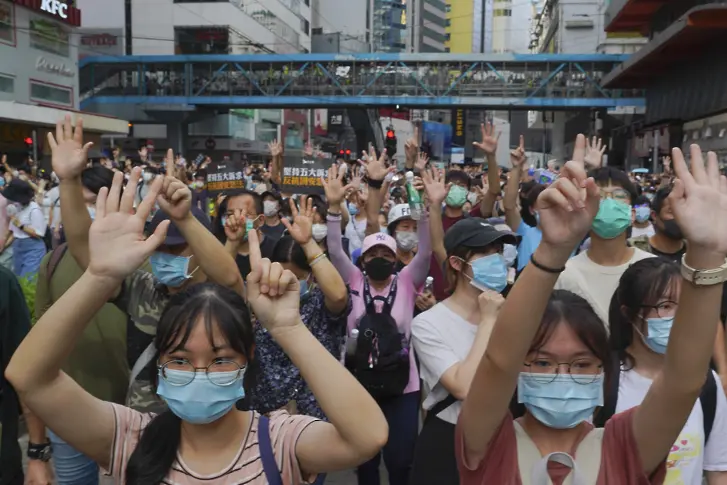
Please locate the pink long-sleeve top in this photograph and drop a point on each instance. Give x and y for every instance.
(411, 278)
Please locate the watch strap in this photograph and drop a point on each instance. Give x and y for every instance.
(40, 452)
(704, 277)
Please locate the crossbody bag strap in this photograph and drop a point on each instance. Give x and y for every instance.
(270, 466)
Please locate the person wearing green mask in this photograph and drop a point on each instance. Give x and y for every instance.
(594, 274)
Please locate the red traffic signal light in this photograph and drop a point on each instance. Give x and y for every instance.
(348, 152)
(28, 141)
(340, 152)
(390, 134)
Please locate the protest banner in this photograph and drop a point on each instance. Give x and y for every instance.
(303, 175)
(225, 176)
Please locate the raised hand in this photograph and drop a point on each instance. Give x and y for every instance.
(302, 228)
(276, 148)
(490, 303)
(567, 207)
(273, 293)
(117, 246)
(175, 198)
(435, 186)
(579, 151)
(667, 164)
(334, 188)
(422, 160)
(489, 139)
(69, 154)
(411, 147)
(699, 202)
(517, 156)
(376, 168)
(594, 153)
(308, 149)
(235, 226)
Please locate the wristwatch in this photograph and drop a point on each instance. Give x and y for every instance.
(41, 452)
(704, 277)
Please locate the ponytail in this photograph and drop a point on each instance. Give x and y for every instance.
(156, 451)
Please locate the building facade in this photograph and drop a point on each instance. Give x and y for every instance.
(429, 29)
(510, 26)
(465, 31)
(39, 74)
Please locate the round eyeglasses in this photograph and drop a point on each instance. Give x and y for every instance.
(220, 372)
(616, 194)
(664, 309)
(582, 371)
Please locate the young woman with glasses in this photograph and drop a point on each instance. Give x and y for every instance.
(205, 355)
(552, 350)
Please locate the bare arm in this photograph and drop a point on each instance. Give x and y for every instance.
(419, 266)
(329, 280)
(716, 478)
(489, 146)
(512, 214)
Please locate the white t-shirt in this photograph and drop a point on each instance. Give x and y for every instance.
(441, 339)
(32, 216)
(594, 282)
(647, 231)
(688, 457)
(51, 202)
(355, 232)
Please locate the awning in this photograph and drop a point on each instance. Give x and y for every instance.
(684, 39)
(44, 116)
(631, 15)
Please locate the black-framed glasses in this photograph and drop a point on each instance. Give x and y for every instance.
(582, 371)
(664, 309)
(221, 372)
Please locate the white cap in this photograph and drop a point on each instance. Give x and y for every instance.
(398, 212)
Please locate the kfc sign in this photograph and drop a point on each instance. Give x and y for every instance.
(54, 7)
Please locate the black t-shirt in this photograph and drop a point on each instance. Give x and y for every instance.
(675, 257)
(266, 250)
(273, 232)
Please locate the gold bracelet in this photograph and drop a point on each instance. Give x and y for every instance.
(317, 259)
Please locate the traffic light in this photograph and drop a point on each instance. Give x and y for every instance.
(28, 145)
(390, 143)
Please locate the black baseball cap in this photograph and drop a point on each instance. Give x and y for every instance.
(475, 232)
(174, 237)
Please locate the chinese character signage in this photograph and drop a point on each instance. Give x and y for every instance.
(225, 176)
(303, 175)
(459, 123)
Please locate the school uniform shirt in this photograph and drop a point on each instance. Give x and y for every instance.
(594, 282)
(245, 469)
(441, 339)
(620, 459)
(689, 456)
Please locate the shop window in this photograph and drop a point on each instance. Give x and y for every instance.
(7, 83)
(51, 94)
(49, 36)
(7, 23)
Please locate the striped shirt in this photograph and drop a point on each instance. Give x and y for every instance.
(247, 466)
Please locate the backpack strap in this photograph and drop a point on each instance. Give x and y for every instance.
(270, 466)
(609, 400)
(55, 258)
(440, 406)
(708, 401)
(388, 301)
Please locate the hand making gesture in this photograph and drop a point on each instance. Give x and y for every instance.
(435, 186)
(276, 148)
(117, 246)
(69, 154)
(594, 153)
(175, 198)
(272, 292)
(489, 139)
(517, 156)
(236, 226)
(302, 228)
(333, 187)
(411, 147)
(376, 168)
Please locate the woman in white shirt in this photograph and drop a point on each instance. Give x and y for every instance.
(641, 315)
(28, 226)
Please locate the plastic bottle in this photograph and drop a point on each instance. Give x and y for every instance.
(428, 285)
(415, 200)
(351, 342)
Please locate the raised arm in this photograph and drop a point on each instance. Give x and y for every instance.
(699, 202)
(276, 151)
(489, 146)
(117, 248)
(418, 268)
(517, 159)
(376, 172)
(335, 191)
(357, 429)
(436, 190)
(566, 213)
(69, 158)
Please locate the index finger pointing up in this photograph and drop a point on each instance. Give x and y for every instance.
(254, 247)
(170, 163)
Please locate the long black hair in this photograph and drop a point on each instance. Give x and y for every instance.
(643, 284)
(287, 250)
(574, 311)
(156, 451)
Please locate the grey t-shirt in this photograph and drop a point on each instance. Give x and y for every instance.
(441, 339)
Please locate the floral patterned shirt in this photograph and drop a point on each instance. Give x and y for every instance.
(279, 381)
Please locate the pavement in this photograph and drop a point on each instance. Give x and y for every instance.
(339, 478)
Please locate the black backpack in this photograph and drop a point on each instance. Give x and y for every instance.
(381, 360)
(707, 399)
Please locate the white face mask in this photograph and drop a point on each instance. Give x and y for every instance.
(407, 240)
(320, 231)
(270, 208)
(147, 176)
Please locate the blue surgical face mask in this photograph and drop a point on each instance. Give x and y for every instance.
(223, 220)
(659, 330)
(562, 403)
(249, 227)
(169, 269)
(201, 401)
(2, 181)
(352, 209)
(489, 273)
(642, 213)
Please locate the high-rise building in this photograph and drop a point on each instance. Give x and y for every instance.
(510, 26)
(429, 25)
(465, 31)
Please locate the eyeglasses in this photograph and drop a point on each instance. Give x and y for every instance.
(616, 194)
(582, 371)
(664, 309)
(220, 372)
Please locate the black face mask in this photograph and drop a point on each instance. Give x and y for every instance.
(379, 269)
(672, 230)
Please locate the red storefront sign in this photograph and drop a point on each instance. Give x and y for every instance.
(63, 11)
